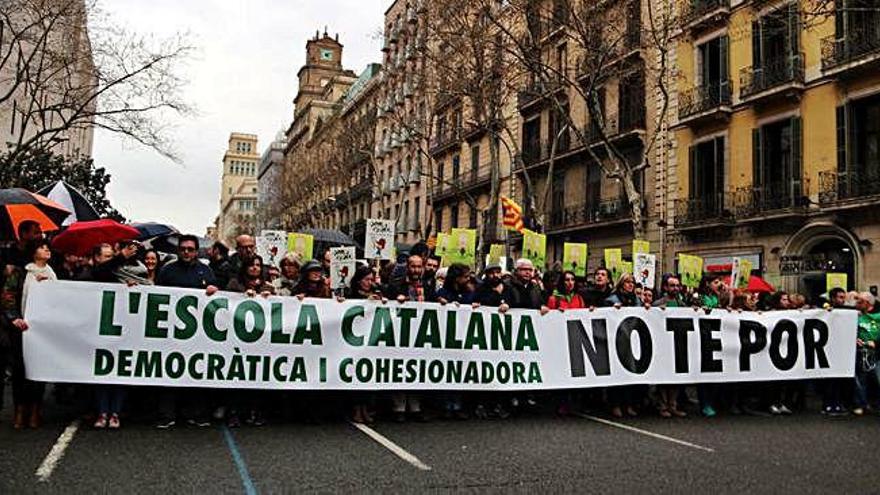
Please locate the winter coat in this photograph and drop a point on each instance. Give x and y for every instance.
(561, 300)
(517, 295)
(34, 273)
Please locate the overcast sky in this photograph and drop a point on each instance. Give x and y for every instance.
(243, 79)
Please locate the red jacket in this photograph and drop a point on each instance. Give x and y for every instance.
(559, 301)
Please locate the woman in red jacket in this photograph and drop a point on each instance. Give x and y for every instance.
(565, 296)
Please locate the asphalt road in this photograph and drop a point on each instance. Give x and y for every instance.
(805, 453)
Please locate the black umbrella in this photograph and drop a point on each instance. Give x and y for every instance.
(330, 237)
(70, 198)
(151, 230)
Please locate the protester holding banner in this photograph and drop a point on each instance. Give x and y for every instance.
(409, 288)
(626, 398)
(189, 273)
(362, 287)
(249, 279)
(285, 284)
(867, 337)
(594, 295)
(565, 295)
(27, 395)
(312, 282)
(523, 290)
(667, 395)
(455, 289)
(218, 261)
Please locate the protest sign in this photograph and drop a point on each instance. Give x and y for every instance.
(301, 245)
(535, 248)
(741, 272)
(462, 247)
(342, 265)
(835, 280)
(496, 255)
(641, 247)
(645, 269)
(272, 246)
(156, 336)
(574, 258)
(691, 269)
(379, 241)
(613, 262)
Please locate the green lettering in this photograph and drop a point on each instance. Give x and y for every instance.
(148, 364)
(534, 373)
(209, 320)
(344, 375)
(108, 307)
(382, 330)
(239, 321)
(308, 327)
(124, 368)
(103, 362)
(502, 333)
(406, 316)
(476, 333)
(192, 366)
(429, 330)
(278, 335)
(347, 324)
(156, 315)
(451, 326)
(185, 316)
(526, 335)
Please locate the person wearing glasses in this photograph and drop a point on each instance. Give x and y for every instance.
(189, 273)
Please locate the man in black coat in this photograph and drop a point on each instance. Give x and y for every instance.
(594, 295)
(523, 291)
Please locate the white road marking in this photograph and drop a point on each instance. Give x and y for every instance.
(48, 466)
(646, 432)
(393, 447)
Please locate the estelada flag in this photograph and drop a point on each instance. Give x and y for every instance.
(512, 214)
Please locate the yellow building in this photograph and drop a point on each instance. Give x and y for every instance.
(238, 193)
(776, 149)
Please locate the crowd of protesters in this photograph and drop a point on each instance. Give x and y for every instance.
(417, 276)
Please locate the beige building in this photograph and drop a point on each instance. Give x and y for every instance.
(238, 193)
(65, 73)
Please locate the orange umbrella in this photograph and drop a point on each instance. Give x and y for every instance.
(19, 205)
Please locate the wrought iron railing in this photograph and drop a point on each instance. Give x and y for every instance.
(709, 208)
(590, 212)
(851, 46)
(704, 98)
(537, 90)
(692, 10)
(856, 183)
(751, 201)
(771, 74)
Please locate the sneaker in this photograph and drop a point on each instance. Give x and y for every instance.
(783, 409)
(198, 422)
(858, 411)
(839, 411)
(775, 409)
(114, 424)
(827, 411)
(258, 420)
(166, 424)
(709, 412)
(101, 422)
(480, 412)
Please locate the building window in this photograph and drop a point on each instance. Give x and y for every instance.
(776, 163)
(532, 140)
(456, 166)
(453, 216)
(707, 176)
(712, 59)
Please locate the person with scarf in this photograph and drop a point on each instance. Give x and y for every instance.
(626, 398)
(27, 395)
(565, 296)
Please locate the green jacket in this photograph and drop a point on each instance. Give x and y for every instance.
(710, 301)
(869, 327)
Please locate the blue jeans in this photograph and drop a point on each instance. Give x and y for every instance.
(862, 382)
(110, 399)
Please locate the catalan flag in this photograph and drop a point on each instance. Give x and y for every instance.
(512, 213)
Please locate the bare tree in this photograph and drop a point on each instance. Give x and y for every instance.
(608, 41)
(64, 67)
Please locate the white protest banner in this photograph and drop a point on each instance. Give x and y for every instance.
(145, 335)
(379, 241)
(272, 246)
(342, 265)
(645, 269)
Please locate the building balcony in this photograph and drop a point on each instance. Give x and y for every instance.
(472, 180)
(772, 201)
(775, 78)
(697, 15)
(445, 141)
(702, 104)
(626, 127)
(536, 92)
(702, 213)
(589, 214)
(856, 50)
(852, 188)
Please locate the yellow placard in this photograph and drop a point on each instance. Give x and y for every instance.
(574, 258)
(643, 247)
(835, 280)
(534, 248)
(691, 269)
(301, 244)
